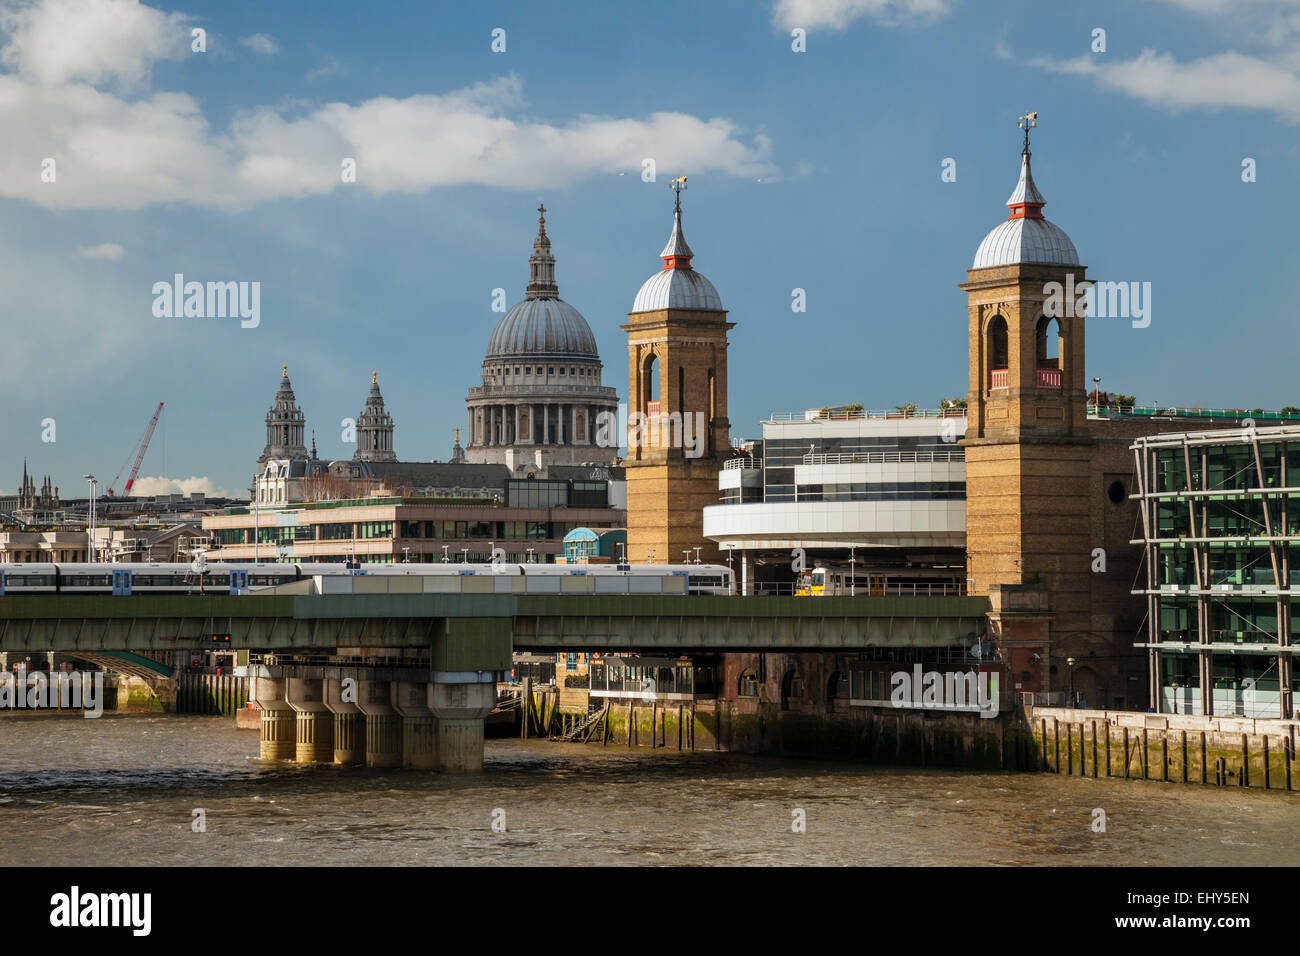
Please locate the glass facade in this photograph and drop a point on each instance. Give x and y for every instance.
(781, 455)
(1222, 539)
(882, 491)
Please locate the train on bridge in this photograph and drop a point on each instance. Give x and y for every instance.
(236, 578)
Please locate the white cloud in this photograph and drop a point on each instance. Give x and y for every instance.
(261, 43)
(1222, 80)
(1268, 80)
(839, 14)
(116, 152)
(111, 251)
(61, 41)
(159, 485)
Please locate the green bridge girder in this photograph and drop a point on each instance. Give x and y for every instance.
(479, 631)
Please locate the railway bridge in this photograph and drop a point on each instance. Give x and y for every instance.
(407, 678)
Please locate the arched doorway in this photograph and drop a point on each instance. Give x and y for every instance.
(792, 691)
(837, 692)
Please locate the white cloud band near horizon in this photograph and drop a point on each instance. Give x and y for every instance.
(159, 485)
(71, 97)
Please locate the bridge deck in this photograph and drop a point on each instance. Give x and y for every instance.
(465, 630)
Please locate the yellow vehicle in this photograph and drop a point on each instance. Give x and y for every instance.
(839, 582)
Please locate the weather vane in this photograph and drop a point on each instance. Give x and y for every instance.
(1028, 122)
(677, 185)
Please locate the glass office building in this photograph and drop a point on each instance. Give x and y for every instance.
(1220, 525)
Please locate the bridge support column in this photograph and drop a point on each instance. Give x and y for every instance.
(349, 722)
(460, 700)
(383, 724)
(315, 725)
(279, 737)
(419, 726)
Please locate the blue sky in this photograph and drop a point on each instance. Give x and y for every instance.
(817, 170)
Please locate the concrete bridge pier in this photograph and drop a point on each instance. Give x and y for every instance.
(279, 736)
(460, 700)
(349, 723)
(419, 726)
(383, 723)
(314, 739)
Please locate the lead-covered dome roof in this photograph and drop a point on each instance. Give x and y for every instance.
(1026, 237)
(542, 324)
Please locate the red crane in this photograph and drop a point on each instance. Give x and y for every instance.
(143, 446)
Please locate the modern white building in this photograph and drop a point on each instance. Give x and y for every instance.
(882, 490)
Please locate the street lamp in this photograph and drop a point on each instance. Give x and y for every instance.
(446, 558)
(1096, 395)
(530, 555)
(698, 549)
(1069, 663)
(90, 520)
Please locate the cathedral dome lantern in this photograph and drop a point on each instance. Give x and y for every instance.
(374, 427)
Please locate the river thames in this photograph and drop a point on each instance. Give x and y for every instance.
(124, 790)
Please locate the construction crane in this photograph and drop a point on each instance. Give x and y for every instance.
(143, 446)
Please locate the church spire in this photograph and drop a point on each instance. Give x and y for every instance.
(1026, 202)
(541, 264)
(677, 254)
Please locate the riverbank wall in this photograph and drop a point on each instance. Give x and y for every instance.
(886, 735)
(1122, 745)
(1171, 748)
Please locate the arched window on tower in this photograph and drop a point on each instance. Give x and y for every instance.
(650, 385)
(1047, 350)
(996, 347)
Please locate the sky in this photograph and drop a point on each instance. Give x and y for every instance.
(818, 169)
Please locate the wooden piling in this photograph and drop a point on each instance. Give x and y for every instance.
(1094, 749)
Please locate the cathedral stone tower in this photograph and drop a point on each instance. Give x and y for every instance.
(374, 428)
(284, 425)
(1027, 445)
(678, 432)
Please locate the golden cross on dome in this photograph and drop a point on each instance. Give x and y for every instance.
(284, 369)
(374, 378)
(541, 219)
(1028, 122)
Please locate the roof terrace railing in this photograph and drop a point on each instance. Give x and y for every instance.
(842, 415)
(885, 457)
(1108, 410)
(742, 463)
